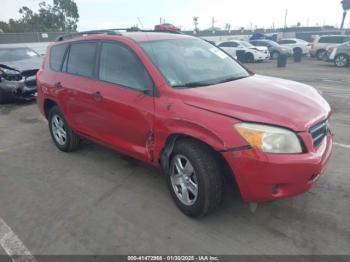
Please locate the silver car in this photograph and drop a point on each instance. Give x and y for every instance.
(341, 55)
(18, 67)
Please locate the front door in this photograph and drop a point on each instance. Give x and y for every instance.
(124, 105)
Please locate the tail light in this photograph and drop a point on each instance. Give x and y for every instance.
(329, 49)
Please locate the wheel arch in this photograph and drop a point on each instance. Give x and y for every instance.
(344, 54)
(164, 158)
(48, 104)
(297, 48)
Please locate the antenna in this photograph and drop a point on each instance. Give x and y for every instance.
(138, 18)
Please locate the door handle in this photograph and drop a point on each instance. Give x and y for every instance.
(97, 95)
(58, 85)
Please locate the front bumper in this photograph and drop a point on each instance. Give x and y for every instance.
(262, 57)
(263, 177)
(24, 89)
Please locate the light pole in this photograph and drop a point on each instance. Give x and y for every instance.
(346, 7)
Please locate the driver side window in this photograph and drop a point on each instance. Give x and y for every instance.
(120, 66)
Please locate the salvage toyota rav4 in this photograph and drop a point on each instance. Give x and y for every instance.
(183, 105)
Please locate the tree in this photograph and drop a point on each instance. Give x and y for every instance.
(63, 15)
(346, 7)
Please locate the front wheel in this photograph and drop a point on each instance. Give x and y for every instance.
(341, 60)
(194, 180)
(62, 135)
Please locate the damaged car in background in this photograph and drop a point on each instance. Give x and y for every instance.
(18, 67)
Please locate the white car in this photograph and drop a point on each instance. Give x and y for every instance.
(251, 53)
(321, 43)
(298, 45)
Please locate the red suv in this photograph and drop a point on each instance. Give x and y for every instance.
(183, 105)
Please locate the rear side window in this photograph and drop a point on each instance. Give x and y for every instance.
(119, 65)
(332, 39)
(56, 56)
(82, 59)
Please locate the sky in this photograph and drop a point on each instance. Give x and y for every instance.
(104, 14)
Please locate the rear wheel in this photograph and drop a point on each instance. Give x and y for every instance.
(297, 51)
(195, 180)
(63, 136)
(341, 60)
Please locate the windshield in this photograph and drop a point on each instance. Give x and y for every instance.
(192, 62)
(246, 44)
(16, 54)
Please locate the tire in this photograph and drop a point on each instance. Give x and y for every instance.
(203, 176)
(341, 60)
(319, 54)
(297, 50)
(249, 58)
(4, 99)
(275, 55)
(62, 135)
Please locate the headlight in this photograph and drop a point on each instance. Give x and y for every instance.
(10, 75)
(270, 139)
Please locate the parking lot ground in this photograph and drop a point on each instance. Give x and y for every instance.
(96, 201)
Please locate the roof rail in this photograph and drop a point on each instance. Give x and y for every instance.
(86, 33)
(113, 31)
(136, 29)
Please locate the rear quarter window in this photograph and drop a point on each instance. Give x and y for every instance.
(56, 56)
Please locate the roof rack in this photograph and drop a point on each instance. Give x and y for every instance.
(136, 29)
(86, 33)
(114, 31)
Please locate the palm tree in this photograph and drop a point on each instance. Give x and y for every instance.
(346, 7)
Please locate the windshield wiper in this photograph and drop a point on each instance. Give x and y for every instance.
(198, 84)
(194, 84)
(229, 79)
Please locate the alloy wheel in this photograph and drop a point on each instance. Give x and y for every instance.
(341, 61)
(59, 130)
(184, 180)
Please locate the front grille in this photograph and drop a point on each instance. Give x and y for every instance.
(319, 132)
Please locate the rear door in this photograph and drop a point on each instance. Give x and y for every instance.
(77, 85)
(229, 47)
(123, 101)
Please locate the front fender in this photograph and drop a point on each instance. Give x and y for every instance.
(197, 131)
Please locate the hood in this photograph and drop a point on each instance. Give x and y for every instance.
(261, 48)
(262, 99)
(25, 65)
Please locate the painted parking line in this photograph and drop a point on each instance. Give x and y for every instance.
(341, 145)
(13, 246)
